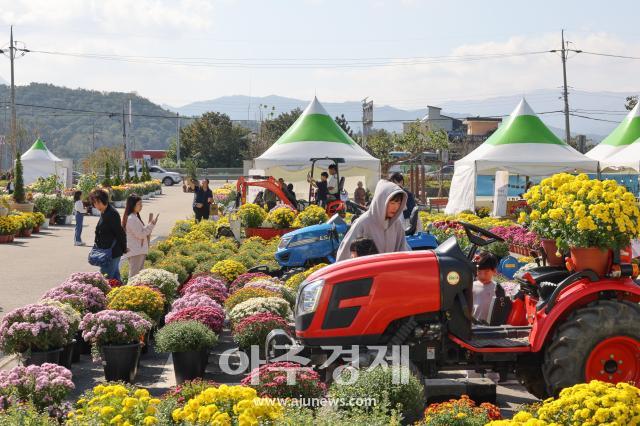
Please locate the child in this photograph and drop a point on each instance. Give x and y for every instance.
(484, 288)
(323, 191)
(381, 223)
(363, 247)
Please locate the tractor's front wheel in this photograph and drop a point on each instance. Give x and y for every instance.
(598, 342)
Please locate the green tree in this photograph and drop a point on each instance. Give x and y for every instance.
(127, 175)
(117, 180)
(381, 144)
(18, 192)
(106, 182)
(631, 102)
(344, 124)
(214, 140)
(135, 179)
(95, 162)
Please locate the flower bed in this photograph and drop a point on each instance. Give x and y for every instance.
(212, 317)
(83, 297)
(274, 381)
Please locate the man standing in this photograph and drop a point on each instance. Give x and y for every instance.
(398, 179)
(360, 195)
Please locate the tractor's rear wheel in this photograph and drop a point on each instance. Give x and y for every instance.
(598, 342)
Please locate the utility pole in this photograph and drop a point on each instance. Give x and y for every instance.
(367, 120)
(124, 135)
(178, 138)
(14, 124)
(563, 52)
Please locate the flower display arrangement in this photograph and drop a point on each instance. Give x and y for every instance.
(281, 218)
(137, 299)
(228, 405)
(251, 215)
(580, 212)
(113, 283)
(243, 279)
(185, 336)
(24, 414)
(274, 305)
(83, 297)
(95, 279)
(194, 300)
(73, 317)
(293, 283)
(253, 330)
(275, 286)
(111, 327)
(166, 281)
(517, 235)
(312, 215)
(460, 412)
(171, 265)
(115, 404)
(216, 289)
(186, 391)
(270, 380)
(594, 403)
(212, 317)
(245, 294)
(33, 328)
(45, 385)
(9, 225)
(229, 269)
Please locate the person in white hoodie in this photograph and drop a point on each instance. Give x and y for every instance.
(381, 223)
(138, 234)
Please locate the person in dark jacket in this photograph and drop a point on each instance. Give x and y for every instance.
(109, 233)
(202, 199)
(398, 179)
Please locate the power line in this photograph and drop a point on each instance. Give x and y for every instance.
(593, 118)
(610, 55)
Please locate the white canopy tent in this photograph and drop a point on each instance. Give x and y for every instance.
(38, 161)
(622, 137)
(316, 135)
(523, 145)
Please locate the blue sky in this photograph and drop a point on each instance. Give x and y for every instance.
(263, 31)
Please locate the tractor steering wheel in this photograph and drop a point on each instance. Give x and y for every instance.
(478, 237)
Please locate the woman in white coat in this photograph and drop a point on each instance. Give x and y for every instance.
(138, 234)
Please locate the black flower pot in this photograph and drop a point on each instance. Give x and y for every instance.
(77, 349)
(84, 347)
(120, 362)
(39, 358)
(66, 357)
(205, 359)
(146, 343)
(188, 365)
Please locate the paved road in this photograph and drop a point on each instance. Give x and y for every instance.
(31, 266)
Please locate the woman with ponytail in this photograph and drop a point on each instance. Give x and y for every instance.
(138, 234)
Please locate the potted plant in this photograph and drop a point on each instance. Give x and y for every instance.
(141, 299)
(39, 220)
(37, 332)
(212, 317)
(280, 221)
(187, 341)
(83, 297)
(73, 318)
(166, 281)
(312, 215)
(253, 330)
(115, 337)
(19, 196)
(252, 217)
(26, 222)
(8, 228)
(588, 217)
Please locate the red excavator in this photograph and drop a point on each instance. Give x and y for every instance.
(266, 182)
(576, 326)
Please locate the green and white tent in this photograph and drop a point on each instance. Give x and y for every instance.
(627, 158)
(314, 135)
(627, 132)
(523, 145)
(38, 161)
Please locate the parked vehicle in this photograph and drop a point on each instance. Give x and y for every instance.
(157, 172)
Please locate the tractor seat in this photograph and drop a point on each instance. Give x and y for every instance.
(553, 274)
(413, 222)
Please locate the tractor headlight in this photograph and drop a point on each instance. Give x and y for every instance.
(309, 240)
(309, 296)
(284, 242)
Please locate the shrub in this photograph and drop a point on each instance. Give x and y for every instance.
(33, 328)
(243, 279)
(18, 192)
(187, 262)
(185, 336)
(205, 267)
(461, 411)
(251, 215)
(154, 255)
(111, 327)
(229, 269)
(312, 215)
(272, 381)
(83, 297)
(227, 405)
(253, 330)
(282, 217)
(375, 382)
(174, 267)
(593, 403)
(124, 403)
(165, 281)
(95, 279)
(25, 414)
(137, 299)
(212, 317)
(274, 305)
(245, 294)
(43, 385)
(294, 281)
(191, 300)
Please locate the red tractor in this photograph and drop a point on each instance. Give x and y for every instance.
(334, 205)
(573, 326)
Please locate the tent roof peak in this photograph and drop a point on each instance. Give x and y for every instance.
(315, 107)
(523, 108)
